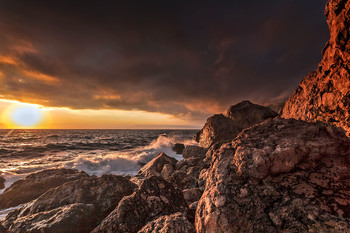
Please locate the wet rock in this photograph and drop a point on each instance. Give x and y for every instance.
(178, 148)
(192, 195)
(32, 186)
(324, 95)
(175, 223)
(167, 171)
(279, 176)
(182, 180)
(221, 129)
(154, 198)
(99, 196)
(2, 183)
(194, 151)
(155, 166)
(74, 218)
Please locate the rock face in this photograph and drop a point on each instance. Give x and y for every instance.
(2, 183)
(34, 185)
(155, 166)
(96, 198)
(154, 198)
(324, 95)
(279, 176)
(220, 128)
(175, 223)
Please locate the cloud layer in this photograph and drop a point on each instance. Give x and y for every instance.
(186, 58)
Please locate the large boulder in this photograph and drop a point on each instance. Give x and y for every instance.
(99, 196)
(32, 186)
(154, 198)
(324, 95)
(155, 166)
(175, 223)
(279, 176)
(221, 129)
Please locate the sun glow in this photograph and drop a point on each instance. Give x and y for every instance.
(24, 116)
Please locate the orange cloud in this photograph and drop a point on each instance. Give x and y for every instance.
(8, 60)
(40, 76)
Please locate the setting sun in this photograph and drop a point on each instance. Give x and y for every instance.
(20, 115)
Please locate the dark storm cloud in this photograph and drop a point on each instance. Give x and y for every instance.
(186, 58)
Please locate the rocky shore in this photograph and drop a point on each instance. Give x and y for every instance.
(253, 171)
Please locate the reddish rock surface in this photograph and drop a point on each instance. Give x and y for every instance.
(324, 95)
(220, 128)
(279, 176)
(34, 185)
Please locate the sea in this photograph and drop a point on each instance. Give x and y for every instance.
(97, 152)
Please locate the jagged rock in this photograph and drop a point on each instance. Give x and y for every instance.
(100, 195)
(32, 186)
(192, 195)
(178, 148)
(324, 95)
(155, 166)
(193, 151)
(221, 129)
(74, 218)
(167, 171)
(154, 198)
(175, 223)
(2, 183)
(279, 176)
(182, 181)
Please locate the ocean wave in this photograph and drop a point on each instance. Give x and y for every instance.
(95, 161)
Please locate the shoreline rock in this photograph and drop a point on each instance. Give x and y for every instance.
(94, 197)
(32, 186)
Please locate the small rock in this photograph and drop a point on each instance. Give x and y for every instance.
(192, 195)
(155, 166)
(178, 148)
(167, 171)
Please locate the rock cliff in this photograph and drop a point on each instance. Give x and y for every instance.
(324, 95)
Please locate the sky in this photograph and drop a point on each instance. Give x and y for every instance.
(152, 64)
